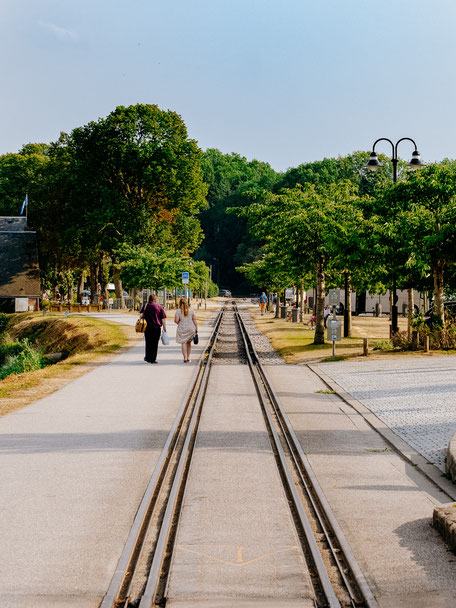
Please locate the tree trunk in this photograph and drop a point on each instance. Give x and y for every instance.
(93, 283)
(277, 305)
(118, 286)
(391, 304)
(320, 328)
(80, 287)
(425, 301)
(410, 311)
(104, 285)
(301, 303)
(347, 304)
(438, 290)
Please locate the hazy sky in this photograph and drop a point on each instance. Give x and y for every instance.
(284, 81)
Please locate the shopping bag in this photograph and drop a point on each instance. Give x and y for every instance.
(165, 338)
(140, 326)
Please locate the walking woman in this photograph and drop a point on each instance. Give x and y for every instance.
(155, 316)
(187, 327)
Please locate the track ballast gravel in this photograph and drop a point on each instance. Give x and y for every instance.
(262, 344)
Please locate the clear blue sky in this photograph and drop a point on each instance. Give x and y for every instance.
(284, 81)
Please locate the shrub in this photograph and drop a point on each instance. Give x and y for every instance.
(3, 322)
(382, 345)
(26, 360)
(9, 349)
(401, 340)
(444, 338)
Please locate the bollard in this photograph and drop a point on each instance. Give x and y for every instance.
(365, 347)
(426, 344)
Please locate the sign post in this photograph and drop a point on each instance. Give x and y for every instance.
(185, 280)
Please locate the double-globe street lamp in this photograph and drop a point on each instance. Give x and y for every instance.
(373, 164)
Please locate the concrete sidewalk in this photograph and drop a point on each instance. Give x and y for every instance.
(74, 467)
(383, 504)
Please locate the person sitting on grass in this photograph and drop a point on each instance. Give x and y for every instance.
(312, 321)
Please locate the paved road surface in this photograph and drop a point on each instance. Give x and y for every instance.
(74, 466)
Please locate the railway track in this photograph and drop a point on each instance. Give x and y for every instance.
(142, 574)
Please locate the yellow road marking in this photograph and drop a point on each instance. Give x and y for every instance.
(240, 561)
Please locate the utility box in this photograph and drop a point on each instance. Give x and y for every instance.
(334, 329)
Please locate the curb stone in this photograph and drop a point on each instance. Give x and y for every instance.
(412, 456)
(451, 459)
(444, 521)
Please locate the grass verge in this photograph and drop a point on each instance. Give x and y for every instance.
(294, 341)
(85, 341)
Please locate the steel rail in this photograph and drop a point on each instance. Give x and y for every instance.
(119, 588)
(320, 504)
(317, 559)
(156, 576)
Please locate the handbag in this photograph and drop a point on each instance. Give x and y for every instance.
(140, 326)
(165, 338)
(195, 339)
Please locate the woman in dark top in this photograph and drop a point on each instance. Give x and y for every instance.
(155, 316)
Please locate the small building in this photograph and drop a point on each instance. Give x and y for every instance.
(20, 289)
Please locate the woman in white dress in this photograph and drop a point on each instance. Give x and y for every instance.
(187, 327)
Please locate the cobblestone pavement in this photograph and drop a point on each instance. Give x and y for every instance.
(416, 398)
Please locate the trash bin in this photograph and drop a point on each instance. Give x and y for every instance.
(294, 315)
(378, 309)
(283, 312)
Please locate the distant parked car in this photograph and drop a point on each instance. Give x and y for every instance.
(225, 293)
(449, 308)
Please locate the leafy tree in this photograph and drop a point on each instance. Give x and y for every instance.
(20, 174)
(304, 227)
(133, 178)
(334, 170)
(418, 220)
(137, 179)
(160, 267)
(227, 241)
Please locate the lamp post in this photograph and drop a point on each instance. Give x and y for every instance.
(373, 164)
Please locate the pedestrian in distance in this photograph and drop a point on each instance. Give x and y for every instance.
(187, 328)
(326, 314)
(263, 301)
(312, 320)
(155, 316)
